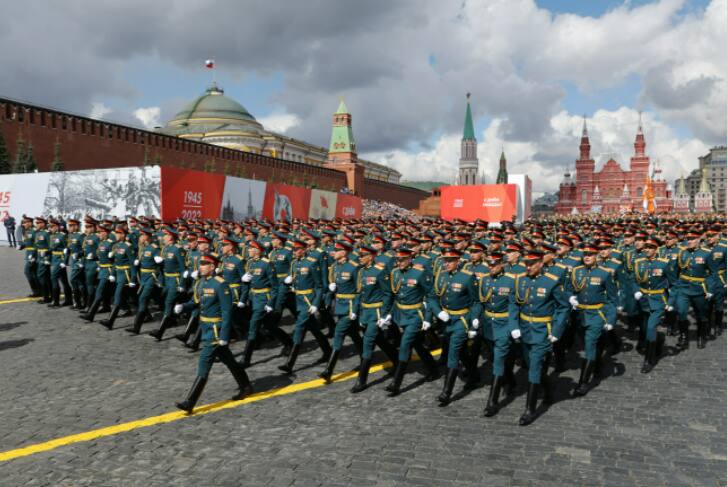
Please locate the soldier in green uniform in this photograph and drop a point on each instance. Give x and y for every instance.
(232, 268)
(374, 313)
(212, 296)
(123, 274)
(593, 296)
(411, 288)
(305, 279)
(260, 289)
(670, 250)
(90, 259)
(696, 283)
(536, 304)
(148, 271)
(103, 256)
(281, 257)
(654, 276)
(494, 294)
(343, 283)
(717, 266)
(172, 259)
(75, 262)
(41, 244)
(456, 303)
(27, 245)
(59, 262)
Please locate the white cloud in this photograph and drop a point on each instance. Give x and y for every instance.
(99, 110)
(279, 122)
(148, 116)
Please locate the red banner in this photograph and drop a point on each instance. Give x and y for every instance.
(191, 194)
(348, 206)
(489, 202)
(283, 202)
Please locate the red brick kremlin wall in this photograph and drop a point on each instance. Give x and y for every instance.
(91, 144)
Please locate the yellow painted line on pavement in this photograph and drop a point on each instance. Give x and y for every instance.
(18, 300)
(178, 415)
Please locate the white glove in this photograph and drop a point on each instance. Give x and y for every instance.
(552, 339)
(515, 334)
(46, 262)
(241, 304)
(476, 323)
(387, 319)
(268, 308)
(89, 257)
(352, 316)
(708, 296)
(63, 266)
(443, 316)
(180, 289)
(638, 295)
(218, 270)
(472, 333)
(80, 266)
(222, 343)
(619, 308)
(608, 327)
(111, 255)
(194, 274)
(426, 325)
(132, 284)
(382, 323)
(136, 262)
(178, 308)
(288, 280)
(573, 301)
(75, 256)
(670, 308)
(65, 251)
(246, 277)
(31, 259)
(332, 287)
(112, 278)
(312, 310)
(185, 274)
(158, 259)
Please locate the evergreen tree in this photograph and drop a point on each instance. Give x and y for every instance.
(5, 167)
(57, 164)
(30, 164)
(147, 158)
(21, 155)
(157, 160)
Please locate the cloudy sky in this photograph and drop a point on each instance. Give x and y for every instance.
(534, 68)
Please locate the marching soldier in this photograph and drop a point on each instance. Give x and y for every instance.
(59, 262)
(148, 270)
(103, 255)
(41, 244)
(90, 266)
(31, 262)
(537, 303)
(343, 279)
(411, 288)
(76, 259)
(456, 303)
(305, 280)
(695, 288)
(654, 275)
(123, 274)
(212, 297)
(717, 266)
(173, 264)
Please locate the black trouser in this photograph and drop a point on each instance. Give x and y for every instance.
(11, 238)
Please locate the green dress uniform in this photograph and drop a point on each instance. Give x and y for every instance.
(696, 284)
(211, 295)
(718, 265)
(148, 271)
(124, 277)
(346, 301)
(27, 245)
(595, 291)
(172, 261)
(90, 265)
(670, 319)
(375, 300)
(59, 262)
(281, 258)
(76, 261)
(41, 244)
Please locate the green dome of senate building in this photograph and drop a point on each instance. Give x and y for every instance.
(213, 104)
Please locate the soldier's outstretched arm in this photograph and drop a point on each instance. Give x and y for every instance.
(225, 299)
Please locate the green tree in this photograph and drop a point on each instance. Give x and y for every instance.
(157, 160)
(57, 164)
(5, 167)
(147, 157)
(21, 155)
(30, 163)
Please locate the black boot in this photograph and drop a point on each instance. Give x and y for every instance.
(323, 343)
(56, 294)
(649, 358)
(158, 334)
(193, 396)
(363, 375)
(92, 312)
(530, 405)
(247, 354)
(243, 383)
(109, 323)
(446, 396)
(138, 321)
(290, 363)
(718, 317)
(701, 334)
(683, 343)
(587, 368)
(394, 387)
(493, 400)
(429, 363)
(328, 371)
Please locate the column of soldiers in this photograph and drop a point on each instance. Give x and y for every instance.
(516, 296)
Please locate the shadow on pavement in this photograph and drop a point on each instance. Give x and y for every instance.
(10, 326)
(15, 343)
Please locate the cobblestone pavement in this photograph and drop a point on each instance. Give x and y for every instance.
(61, 377)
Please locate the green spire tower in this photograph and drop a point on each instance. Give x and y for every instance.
(468, 162)
(342, 141)
(502, 173)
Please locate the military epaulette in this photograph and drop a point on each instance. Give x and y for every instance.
(707, 249)
(511, 275)
(219, 279)
(663, 259)
(465, 271)
(640, 259)
(265, 259)
(577, 267)
(312, 259)
(562, 266)
(515, 276)
(607, 269)
(616, 261)
(418, 267)
(353, 262)
(552, 276)
(425, 256)
(379, 265)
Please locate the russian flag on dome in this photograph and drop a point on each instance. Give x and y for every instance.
(209, 64)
